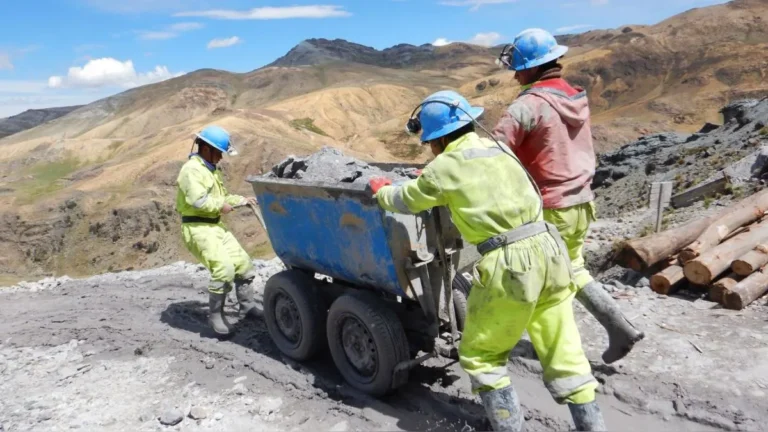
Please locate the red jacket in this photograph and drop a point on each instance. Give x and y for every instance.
(548, 128)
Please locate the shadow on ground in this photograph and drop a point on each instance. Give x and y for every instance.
(415, 405)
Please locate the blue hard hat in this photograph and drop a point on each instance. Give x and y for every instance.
(218, 138)
(445, 112)
(532, 47)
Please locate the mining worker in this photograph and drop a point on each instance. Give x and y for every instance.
(548, 128)
(201, 199)
(523, 280)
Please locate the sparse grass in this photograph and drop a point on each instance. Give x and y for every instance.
(708, 202)
(764, 131)
(693, 151)
(646, 230)
(735, 191)
(44, 178)
(307, 124)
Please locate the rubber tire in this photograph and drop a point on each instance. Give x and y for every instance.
(301, 288)
(461, 288)
(385, 329)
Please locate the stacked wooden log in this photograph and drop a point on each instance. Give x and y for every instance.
(726, 253)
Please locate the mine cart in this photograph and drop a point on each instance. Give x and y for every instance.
(376, 287)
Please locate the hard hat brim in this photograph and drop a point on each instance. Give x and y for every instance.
(474, 113)
(214, 145)
(555, 54)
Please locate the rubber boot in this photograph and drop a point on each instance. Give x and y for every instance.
(587, 417)
(216, 318)
(622, 335)
(244, 291)
(503, 409)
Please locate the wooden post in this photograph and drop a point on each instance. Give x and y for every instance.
(661, 193)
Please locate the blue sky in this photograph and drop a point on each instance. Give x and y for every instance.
(66, 52)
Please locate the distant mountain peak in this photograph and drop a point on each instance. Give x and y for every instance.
(313, 52)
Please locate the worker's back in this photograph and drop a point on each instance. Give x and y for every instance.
(486, 189)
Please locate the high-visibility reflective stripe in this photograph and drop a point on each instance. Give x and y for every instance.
(216, 287)
(488, 379)
(201, 202)
(563, 387)
(397, 201)
(476, 153)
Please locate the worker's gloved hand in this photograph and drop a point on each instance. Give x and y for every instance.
(377, 183)
(418, 172)
(252, 201)
(226, 208)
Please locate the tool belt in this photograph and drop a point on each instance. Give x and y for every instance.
(524, 232)
(199, 219)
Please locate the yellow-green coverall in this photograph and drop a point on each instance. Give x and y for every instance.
(201, 193)
(523, 286)
(573, 224)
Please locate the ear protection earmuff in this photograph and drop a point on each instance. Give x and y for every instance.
(414, 124)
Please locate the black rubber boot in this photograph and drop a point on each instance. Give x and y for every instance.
(587, 417)
(622, 335)
(248, 306)
(503, 409)
(216, 318)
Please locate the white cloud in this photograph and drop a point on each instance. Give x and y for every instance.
(485, 39)
(5, 61)
(223, 43)
(568, 29)
(272, 13)
(186, 26)
(441, 42)
(475, 4)
(171, 32)
(156, 35)
(108, 71)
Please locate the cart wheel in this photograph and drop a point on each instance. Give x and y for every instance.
(461, 288)
(367, 341)
(294, 315)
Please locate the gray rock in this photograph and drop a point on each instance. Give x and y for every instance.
(643, 283)
(339, 427)
(240, 389)
(198, 413)
(269, 405)
(172, 417)
(218, 416)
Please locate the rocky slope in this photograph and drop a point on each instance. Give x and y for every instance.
(623, 178)
(111, 165)
(31, 118)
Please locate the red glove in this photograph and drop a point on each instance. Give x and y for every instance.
(377, 183)
(418, 172)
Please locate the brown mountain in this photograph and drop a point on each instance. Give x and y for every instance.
(93, 190)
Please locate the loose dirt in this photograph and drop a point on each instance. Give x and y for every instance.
(130, 351)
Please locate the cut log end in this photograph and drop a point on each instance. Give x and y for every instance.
(733, 301)
(742, 268)
(698, 273)
(664, 282)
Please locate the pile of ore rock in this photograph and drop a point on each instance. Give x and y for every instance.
(330, 165)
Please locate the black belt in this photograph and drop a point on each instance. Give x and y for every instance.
(199, 219)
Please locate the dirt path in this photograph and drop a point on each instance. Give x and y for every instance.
(121, 352)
